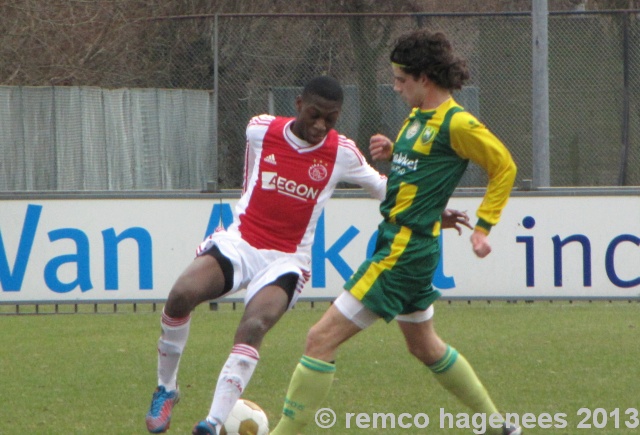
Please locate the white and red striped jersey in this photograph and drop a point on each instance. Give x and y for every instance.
(287, 182)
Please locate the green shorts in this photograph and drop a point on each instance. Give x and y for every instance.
(397, 279)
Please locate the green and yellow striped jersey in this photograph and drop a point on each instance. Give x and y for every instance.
(430, 155)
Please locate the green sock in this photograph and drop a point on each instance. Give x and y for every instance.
(309, 386)
(454, 373)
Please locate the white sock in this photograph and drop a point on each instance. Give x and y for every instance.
(233, 379)
(170, 346)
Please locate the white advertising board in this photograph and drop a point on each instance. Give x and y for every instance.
(92, 250)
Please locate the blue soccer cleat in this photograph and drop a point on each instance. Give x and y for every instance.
(204, 428)
(159, 415)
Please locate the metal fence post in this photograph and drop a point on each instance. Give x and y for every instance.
(540, 93)
(213, 184)
(624, 154)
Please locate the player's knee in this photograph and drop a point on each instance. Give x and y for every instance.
(181, 301)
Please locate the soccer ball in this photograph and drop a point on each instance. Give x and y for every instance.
(246, 418)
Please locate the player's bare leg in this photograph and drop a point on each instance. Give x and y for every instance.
(261, 314)
(202, 280)
(451, 370)
(312, 378)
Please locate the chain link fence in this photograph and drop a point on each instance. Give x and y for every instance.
(257, 63)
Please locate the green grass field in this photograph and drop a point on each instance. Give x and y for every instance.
(83, 373)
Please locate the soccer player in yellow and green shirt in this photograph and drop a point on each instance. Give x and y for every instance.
(428, 158)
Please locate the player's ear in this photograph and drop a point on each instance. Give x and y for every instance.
(298, 103)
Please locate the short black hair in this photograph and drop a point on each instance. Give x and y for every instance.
(325, 87)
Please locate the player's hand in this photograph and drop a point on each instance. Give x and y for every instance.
(380, 147)
(480, 244)
(455, 219)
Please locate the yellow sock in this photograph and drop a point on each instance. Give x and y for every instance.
(309, 386)
(454, 373)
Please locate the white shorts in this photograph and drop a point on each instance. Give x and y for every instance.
(354, 310)
(254, 268)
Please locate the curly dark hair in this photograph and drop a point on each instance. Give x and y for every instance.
(424, 52)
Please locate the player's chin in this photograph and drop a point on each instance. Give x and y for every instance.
(315, 140)
(314, 137)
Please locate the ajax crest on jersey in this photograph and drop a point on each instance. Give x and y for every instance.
(318, 172)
